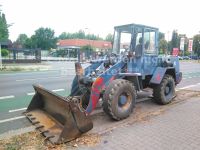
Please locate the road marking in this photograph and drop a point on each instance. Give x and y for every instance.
(7, 97)
(10, 111)
(31, 93)
(11, 119)
(58, 90)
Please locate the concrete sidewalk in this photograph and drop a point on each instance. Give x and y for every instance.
(178, 128)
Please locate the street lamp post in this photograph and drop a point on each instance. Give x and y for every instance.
(168, 42)
(88, 52)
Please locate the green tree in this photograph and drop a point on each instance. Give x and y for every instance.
(186, 44)
(109, 37)
(64, 35)
(187, 53)
(28, 43)
(93, 37)
(22, 39)
(44, 38)
(31, 42)
(79, 35)
(4, 34)
(163, 45)
(169, 47)
(196, 44)
(175, 39)
(161, 36)
(87, 49)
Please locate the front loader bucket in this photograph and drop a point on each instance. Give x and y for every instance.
(56, 118)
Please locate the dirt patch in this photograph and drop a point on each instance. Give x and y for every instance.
(184, 95)
(89, 140)
(31, 140)
(103, 125)
(34, 140)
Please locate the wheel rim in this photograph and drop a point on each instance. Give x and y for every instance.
(168, 91)
(124, 101)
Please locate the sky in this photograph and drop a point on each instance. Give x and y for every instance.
(100, 16)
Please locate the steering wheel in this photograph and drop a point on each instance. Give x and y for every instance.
(111, 59)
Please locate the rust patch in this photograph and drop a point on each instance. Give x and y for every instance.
(47, 121)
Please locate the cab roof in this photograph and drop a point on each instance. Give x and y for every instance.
(135, 25)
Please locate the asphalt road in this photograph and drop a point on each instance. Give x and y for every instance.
(21, 83)
(16, 89)
(191, 76)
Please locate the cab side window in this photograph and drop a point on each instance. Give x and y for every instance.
(149, 42)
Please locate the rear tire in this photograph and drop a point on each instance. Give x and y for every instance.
(165, 91)
(119, 99)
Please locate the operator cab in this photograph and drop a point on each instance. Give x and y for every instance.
(135, 39)
(140, 44)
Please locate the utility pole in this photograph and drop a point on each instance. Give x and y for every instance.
(1, 67)
(0, 52)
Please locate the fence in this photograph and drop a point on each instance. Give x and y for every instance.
(38, 55)
(23, 56)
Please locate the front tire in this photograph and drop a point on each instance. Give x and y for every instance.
(119, 99)
(164, 93)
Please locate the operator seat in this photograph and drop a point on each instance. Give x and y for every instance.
(136, 65)
(138, 49)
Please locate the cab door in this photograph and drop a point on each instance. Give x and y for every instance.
(150, 51)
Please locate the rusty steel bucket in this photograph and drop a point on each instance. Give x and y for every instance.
(56, 118)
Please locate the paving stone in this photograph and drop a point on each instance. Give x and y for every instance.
(177, 128)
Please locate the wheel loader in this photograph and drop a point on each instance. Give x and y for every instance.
(132, 66)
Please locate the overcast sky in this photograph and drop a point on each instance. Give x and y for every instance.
(100, 16)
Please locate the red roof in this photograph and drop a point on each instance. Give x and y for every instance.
(83, 42)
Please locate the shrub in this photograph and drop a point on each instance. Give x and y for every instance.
(4, 52)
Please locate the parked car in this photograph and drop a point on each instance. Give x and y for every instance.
(186, 58)
(180, 58)
(194, 57)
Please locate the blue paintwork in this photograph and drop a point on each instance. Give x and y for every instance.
(135, 65)
(158, 75)
(150, 63)
(112, 72)
(178, 77)
(92, 67)
(122, 100)
(145, 65)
